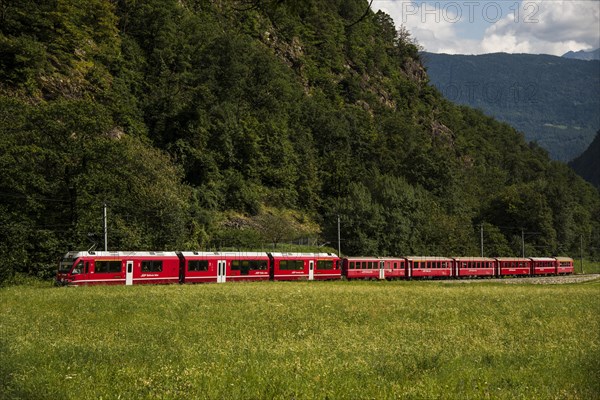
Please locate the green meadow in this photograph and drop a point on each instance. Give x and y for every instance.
(303, 340)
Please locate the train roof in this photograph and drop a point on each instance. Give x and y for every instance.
(512, 259)
(76, 254)
(427, 258)
(299, 255)
(189, 254)
(564, 259)
(543, 258)
(474, 259)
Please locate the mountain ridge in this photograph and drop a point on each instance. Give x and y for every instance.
(552, 100)
(583, 55)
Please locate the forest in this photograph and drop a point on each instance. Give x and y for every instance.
(211, 124)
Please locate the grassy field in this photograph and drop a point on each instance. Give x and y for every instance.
(337, 340)
(589, 267)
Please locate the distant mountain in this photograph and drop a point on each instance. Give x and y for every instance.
(553, 100)
(587, 165)
(583, 55)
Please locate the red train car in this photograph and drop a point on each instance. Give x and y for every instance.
(543, 266)
(197, 267)
(373, 268)
(296, 266)
(112, 268)
(394, 267)
(362, 268)
(430, 267)
(474, 266)
(564, 265)
(513, 266)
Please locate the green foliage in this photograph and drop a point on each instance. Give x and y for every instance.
(587, 165)
(180, 114)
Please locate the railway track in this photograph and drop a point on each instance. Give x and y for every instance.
(536, 280)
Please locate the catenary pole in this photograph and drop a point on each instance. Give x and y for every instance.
(105, 230)
(481, 240)
(339, 239)
(581, 252)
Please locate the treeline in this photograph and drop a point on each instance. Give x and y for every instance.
(207, 124)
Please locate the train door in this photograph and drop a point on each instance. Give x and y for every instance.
(129, 273)
(221, 271)
(381, 270)
(311, 270)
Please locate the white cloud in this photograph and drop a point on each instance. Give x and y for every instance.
(433, 26)
(550, 27)
(475, 27)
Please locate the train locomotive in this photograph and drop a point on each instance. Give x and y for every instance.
(153, 267)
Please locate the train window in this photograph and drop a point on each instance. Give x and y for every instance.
(87, 267)
(246, 266)
(108, 266)
(152, 266)
(259, 264)
(351, 264)
(416, 264)
(65, 265)
(325, 264)
(238, 265)
(78, 268)
(198, 265)
(241, 265)
(291, 265)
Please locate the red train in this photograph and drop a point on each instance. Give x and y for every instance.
(89, 268)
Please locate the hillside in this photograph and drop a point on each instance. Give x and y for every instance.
(554, 101)
(247, 124)
(587, 165)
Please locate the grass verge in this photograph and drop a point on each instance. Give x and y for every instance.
(342, 340)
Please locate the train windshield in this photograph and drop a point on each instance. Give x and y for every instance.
(65, 265)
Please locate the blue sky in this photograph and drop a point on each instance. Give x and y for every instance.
(511, 26)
